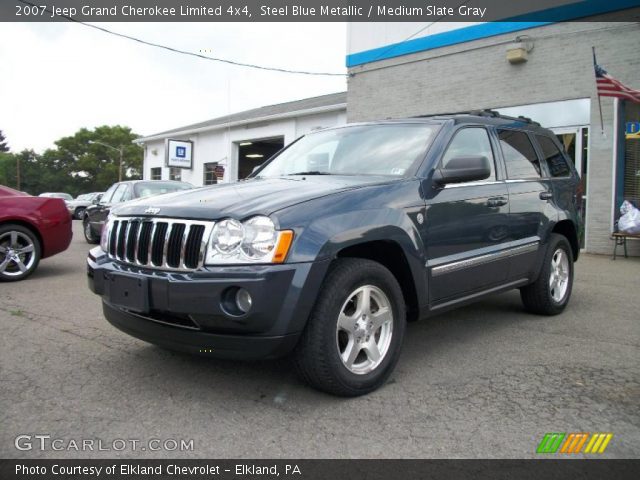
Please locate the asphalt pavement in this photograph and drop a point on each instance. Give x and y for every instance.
(488, 380)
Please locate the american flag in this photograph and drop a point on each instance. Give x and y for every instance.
(610, 87)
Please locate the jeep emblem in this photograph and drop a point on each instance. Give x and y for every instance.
(152, 210)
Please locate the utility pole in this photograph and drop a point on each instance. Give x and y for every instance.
(120, 150)
(120, 165)
(18, 172)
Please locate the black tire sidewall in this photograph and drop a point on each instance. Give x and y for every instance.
(37, 250)
(372, 274)
(92, 239)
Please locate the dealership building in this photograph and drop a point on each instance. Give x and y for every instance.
(228, 148)
(543, 71)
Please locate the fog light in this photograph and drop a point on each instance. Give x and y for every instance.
(243, 300)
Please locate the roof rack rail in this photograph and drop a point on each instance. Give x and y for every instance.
(483, 113)
(496, 114)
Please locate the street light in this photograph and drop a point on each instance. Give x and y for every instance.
(119, 150)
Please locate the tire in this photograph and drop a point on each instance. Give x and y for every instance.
(20, 252)
(79, 213)
(550, 293)
(336, 323)
(89, 236)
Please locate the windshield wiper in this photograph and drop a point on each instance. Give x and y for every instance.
(312, 172)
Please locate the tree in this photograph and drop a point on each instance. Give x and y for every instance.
(3, 144)
(83, 162)
(92, 164)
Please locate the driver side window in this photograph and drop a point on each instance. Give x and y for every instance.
(470, 142)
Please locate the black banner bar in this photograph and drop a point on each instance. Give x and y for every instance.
(318, 469)
(317, 10)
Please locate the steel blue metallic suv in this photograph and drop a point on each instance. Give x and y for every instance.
(342, 237)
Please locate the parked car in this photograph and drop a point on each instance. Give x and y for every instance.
(77, 206)
(65, 196)
(95, 215)
(335, 242)
(31, 228)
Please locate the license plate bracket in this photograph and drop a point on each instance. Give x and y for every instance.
(128, 291)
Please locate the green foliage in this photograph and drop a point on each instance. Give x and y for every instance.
(76, 165)
(3, 144)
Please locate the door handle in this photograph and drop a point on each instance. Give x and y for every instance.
(497, 201)
(546, 195)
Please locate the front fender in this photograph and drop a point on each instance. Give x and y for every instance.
(324, 238)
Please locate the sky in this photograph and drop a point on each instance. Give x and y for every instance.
(56, 78)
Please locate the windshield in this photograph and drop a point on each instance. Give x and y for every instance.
(388, 149)
(146, 189)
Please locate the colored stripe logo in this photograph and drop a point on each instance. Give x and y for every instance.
(570, 443)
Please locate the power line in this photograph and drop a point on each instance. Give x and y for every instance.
(192, 54)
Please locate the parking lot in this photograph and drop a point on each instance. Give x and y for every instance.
(485, 381)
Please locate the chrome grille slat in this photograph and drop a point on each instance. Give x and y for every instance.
(150, 251)
(183, 247)
(132, 240)
(122, 229)
(159, 243)
(165, 246)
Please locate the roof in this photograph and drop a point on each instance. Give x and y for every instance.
(287, 109)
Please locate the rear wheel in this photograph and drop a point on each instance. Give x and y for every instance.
(20, 253)
(354, 335)
(79, 213)
(550, 293)
(89, 236)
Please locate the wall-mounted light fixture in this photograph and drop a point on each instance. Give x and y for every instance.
(518, 52)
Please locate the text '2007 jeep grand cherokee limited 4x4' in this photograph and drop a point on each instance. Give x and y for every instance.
(343, 236)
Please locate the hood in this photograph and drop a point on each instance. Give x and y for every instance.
(246, 198)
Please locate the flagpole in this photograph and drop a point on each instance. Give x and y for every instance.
(595, 66)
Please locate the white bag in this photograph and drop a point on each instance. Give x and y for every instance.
(630, 220)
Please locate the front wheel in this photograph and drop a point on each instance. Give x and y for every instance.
(89, 236)
(354, 335)
(79, 213)
(550, 293)
(19, 253)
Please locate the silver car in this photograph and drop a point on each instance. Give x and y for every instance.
(78, 206)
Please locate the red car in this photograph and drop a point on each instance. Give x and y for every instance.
(31, 228)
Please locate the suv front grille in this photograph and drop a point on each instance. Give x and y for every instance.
(160, 243)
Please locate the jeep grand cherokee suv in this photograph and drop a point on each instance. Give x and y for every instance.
(343, 236)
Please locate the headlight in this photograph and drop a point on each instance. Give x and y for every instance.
(104, 237)
(227, 236)
(254, 241)
(260, 237)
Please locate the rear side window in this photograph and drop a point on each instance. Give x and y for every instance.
(556, 162)
(470, 142)
(519, 156)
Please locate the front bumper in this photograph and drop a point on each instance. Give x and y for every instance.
(188, 311)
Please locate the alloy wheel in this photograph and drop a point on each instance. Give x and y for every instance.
(364, 329)
(559, 275)
(17, 254)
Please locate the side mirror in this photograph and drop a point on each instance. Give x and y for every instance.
(95, 201)
(463, 169)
